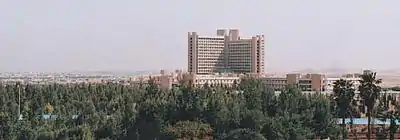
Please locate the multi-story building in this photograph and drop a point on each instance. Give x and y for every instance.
(227, 51)
(205, 53)
(307, 82)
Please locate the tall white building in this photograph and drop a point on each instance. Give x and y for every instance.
(227, 51)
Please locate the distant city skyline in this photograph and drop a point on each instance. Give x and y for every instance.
(72, 35)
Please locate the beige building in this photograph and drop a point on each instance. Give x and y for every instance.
(227, 51)
(276, 83)
(222, 80)
(164, 79)
(307, 82)
(353, 78)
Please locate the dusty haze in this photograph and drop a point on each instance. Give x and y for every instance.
(68, 35)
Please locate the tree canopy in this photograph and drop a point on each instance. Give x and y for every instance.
(145, 112)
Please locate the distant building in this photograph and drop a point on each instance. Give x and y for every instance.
(353, 78)
(276, 83)
(222, 80)
(164, 80)
(306, 82)
(227, 51)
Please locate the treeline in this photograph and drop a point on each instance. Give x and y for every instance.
(247, 110)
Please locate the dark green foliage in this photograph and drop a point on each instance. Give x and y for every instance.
(248, 110)
(369, 93)
(344, 99)
(188, 130)
(244, 134)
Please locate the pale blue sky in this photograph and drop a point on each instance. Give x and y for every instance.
(66, 35)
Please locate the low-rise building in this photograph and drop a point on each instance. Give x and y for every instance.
(353, 78)
(216, 79)
(306, 82)
(276, 83)
(165, 80)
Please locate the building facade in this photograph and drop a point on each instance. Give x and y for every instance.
(227, 80)
(276, 83)
(227, 51)
(306, 82)
(353, 78)
(165, 80)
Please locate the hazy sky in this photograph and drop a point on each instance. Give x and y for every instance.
(66, 35)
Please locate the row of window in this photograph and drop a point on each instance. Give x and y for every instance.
(207, 54)
(240, 45)
(214, 81)
(242, 63)
(215, 51)
(210, 44)
(276, 81)
(239, 56)
(205, 57)
(210, 49)
(210, 64)
(211, 59)
(233, 59)
(205, 38)
(211, 40)
(239, 51)
(211, 56)
(239, 48)
(242, 70)
(241, 67)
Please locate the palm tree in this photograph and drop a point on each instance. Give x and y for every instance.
(343, 95)
(369, 92)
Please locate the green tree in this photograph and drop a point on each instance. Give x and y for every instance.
(189, 130)
(142, 111)
(244, 134)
